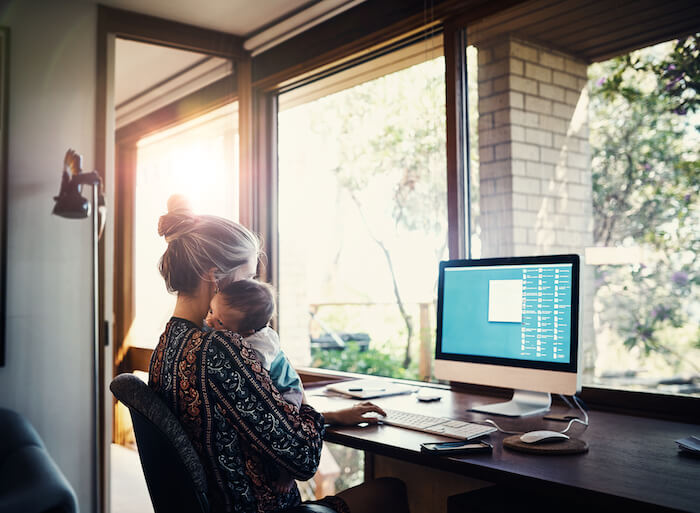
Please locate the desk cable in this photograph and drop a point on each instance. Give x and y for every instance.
(571, 422)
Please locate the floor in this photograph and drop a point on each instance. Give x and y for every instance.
(129, 493)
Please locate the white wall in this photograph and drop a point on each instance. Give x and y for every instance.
(47, 376)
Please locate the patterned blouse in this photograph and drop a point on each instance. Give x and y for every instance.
(239, 424)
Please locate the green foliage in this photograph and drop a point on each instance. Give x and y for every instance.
(370, 361)
(646, 176)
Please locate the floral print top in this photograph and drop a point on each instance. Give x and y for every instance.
(241, 427)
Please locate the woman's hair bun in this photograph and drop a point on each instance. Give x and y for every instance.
(178, 221)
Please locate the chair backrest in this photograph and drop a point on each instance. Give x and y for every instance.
(174, 474)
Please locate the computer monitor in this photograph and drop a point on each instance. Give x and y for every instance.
(513, 323)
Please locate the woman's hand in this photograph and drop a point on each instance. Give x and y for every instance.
(354, 415)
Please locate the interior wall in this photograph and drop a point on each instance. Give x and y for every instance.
(47, 376)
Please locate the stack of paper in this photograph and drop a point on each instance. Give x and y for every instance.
(690, 444)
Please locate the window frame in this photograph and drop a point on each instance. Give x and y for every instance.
(452, 22)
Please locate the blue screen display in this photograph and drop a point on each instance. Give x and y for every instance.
(520, 312)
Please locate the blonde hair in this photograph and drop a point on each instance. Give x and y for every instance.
(198, 243)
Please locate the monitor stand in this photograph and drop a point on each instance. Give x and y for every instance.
(522, 404)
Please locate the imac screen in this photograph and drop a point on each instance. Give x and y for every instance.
(514, 312)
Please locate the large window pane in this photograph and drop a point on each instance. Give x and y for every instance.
(646, 174)
(198, 159)
(601, 161)
(362, 216)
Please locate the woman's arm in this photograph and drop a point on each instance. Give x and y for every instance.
(236, 382)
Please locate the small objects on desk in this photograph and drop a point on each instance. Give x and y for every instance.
(561, 417)
(570, 446)
(426, 395)
(543, 437)
(690, 445)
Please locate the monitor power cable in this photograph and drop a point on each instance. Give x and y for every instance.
(576, 400)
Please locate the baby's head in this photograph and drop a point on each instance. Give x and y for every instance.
(243, 306)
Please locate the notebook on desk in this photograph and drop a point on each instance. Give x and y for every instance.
(369, 389)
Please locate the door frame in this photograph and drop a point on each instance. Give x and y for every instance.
(115, 161)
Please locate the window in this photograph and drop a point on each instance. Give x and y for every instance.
(601, 161)
(198, 159)
(646, 222)
(362, 214)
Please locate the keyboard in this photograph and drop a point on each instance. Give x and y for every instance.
(435, 425)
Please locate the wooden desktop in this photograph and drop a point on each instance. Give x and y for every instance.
(633, 461)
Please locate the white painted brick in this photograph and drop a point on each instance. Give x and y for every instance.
(502, 151)
(545, 237)
(561, 110)
(577, 68)
(579, 192)
(539, 105)
(500, 84)
(571, 239)
(539, 137)
(564, 79)
(516, 100)
(525, 218)
(501, 50)
(502, 117)
(520, 201)
(504, 185)
(534, 203)
(517, 67)
(551, 156)
(520, 235)
(577, 160)
(487, 187)
(524, 118)
(554, 188)
(579, 223)
(572, 97)
(556, 125)
(525, 151)
(494, 136)
(522, 84)
(495, 169)
(493, 69)
(485, 88)
(539, 170)
(551, 61)
(552, 92)
(495, 102)
(526, 185)
(538, 72)
(484, 56)
(586, 177)
(582, 84)
(524, 52)
(517, 133)
(485, 121)
(495, 203)
(486, 153)
(517, 167)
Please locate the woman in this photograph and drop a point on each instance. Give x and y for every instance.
(241, 427)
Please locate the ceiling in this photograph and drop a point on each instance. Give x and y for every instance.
(592, 30)
(238, 17)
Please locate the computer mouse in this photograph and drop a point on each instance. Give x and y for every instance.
(427, 394)
(540, 437)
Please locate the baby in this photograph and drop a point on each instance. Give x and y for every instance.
(245, 307)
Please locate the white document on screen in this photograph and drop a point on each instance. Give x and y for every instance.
(505, 300)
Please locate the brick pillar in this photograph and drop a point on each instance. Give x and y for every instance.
(535, 175)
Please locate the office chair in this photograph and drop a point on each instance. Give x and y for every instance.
(174, 474)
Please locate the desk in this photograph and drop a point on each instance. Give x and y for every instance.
(632, 462)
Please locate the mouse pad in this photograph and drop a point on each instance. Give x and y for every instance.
(570, 446)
